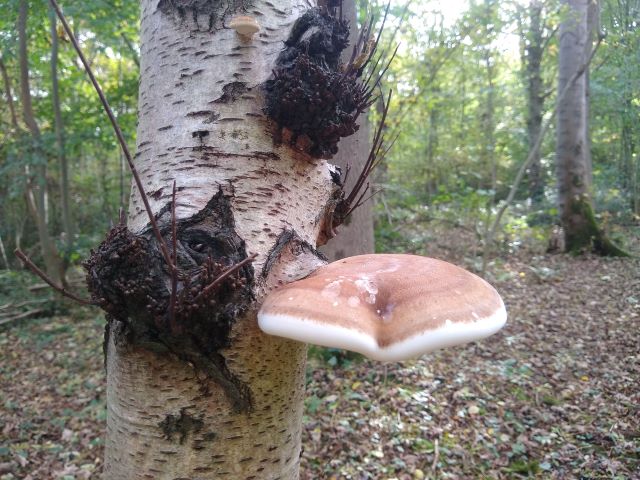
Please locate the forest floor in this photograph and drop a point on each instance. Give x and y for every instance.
(554, 395)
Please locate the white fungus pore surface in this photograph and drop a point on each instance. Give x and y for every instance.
(315, 332)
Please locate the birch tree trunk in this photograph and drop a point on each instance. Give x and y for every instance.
(201, 124)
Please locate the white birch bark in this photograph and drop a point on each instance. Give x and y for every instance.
(201, 124)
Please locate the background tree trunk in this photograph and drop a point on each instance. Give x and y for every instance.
(572, 144)
(573, 156)
(37, 182)
(431, 167)
(201, 125)
(356, 234)
(535, 98)
(59, 131)
(9, 95)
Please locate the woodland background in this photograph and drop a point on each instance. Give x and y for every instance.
(552, 396)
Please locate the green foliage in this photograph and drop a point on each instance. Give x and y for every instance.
(108, 35)
(459, 113)
(15, 296)
(333, 357)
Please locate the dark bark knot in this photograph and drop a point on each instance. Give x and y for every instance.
(312, 96)
(232, 91)
(184, 425)
(129, 279)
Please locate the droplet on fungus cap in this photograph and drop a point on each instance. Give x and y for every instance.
(389, 307)
(244, 25)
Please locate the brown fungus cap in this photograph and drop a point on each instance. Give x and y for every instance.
(244, 25)
(385, 306)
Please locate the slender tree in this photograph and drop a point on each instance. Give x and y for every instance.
(9, 95)
(36, 193)
(59, 132)
(535, 96)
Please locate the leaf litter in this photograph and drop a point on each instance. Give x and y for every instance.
(554, 395)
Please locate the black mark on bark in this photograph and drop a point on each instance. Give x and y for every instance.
(207, 15)
(181, 425)
(288, 246)
(231, 91)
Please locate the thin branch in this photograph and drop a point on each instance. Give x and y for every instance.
(373, 158)
(20, 316)
(174, 272)
(377, 42)
(363, 37)
(22, 304)
(362, 202)
(135, 58)
(32, 266)
(547, 40)
(401, 20)
(383, 72)
(118, 132)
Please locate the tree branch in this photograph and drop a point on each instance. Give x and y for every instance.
(224, 275)
(32, 266)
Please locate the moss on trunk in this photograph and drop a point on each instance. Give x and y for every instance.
(582, 232)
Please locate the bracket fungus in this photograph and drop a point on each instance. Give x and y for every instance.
(245, 25)
(389, 307)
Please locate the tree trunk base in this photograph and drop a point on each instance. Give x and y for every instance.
(167, 421)
(587, 235)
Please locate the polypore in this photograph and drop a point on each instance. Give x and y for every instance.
(386, 306)
(245, 25)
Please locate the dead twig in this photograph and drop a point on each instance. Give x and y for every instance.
(355, 197)
(37, 286)
(436, 456)
(32, 266)
(23, 304)
(29, 313)
(174, 259)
